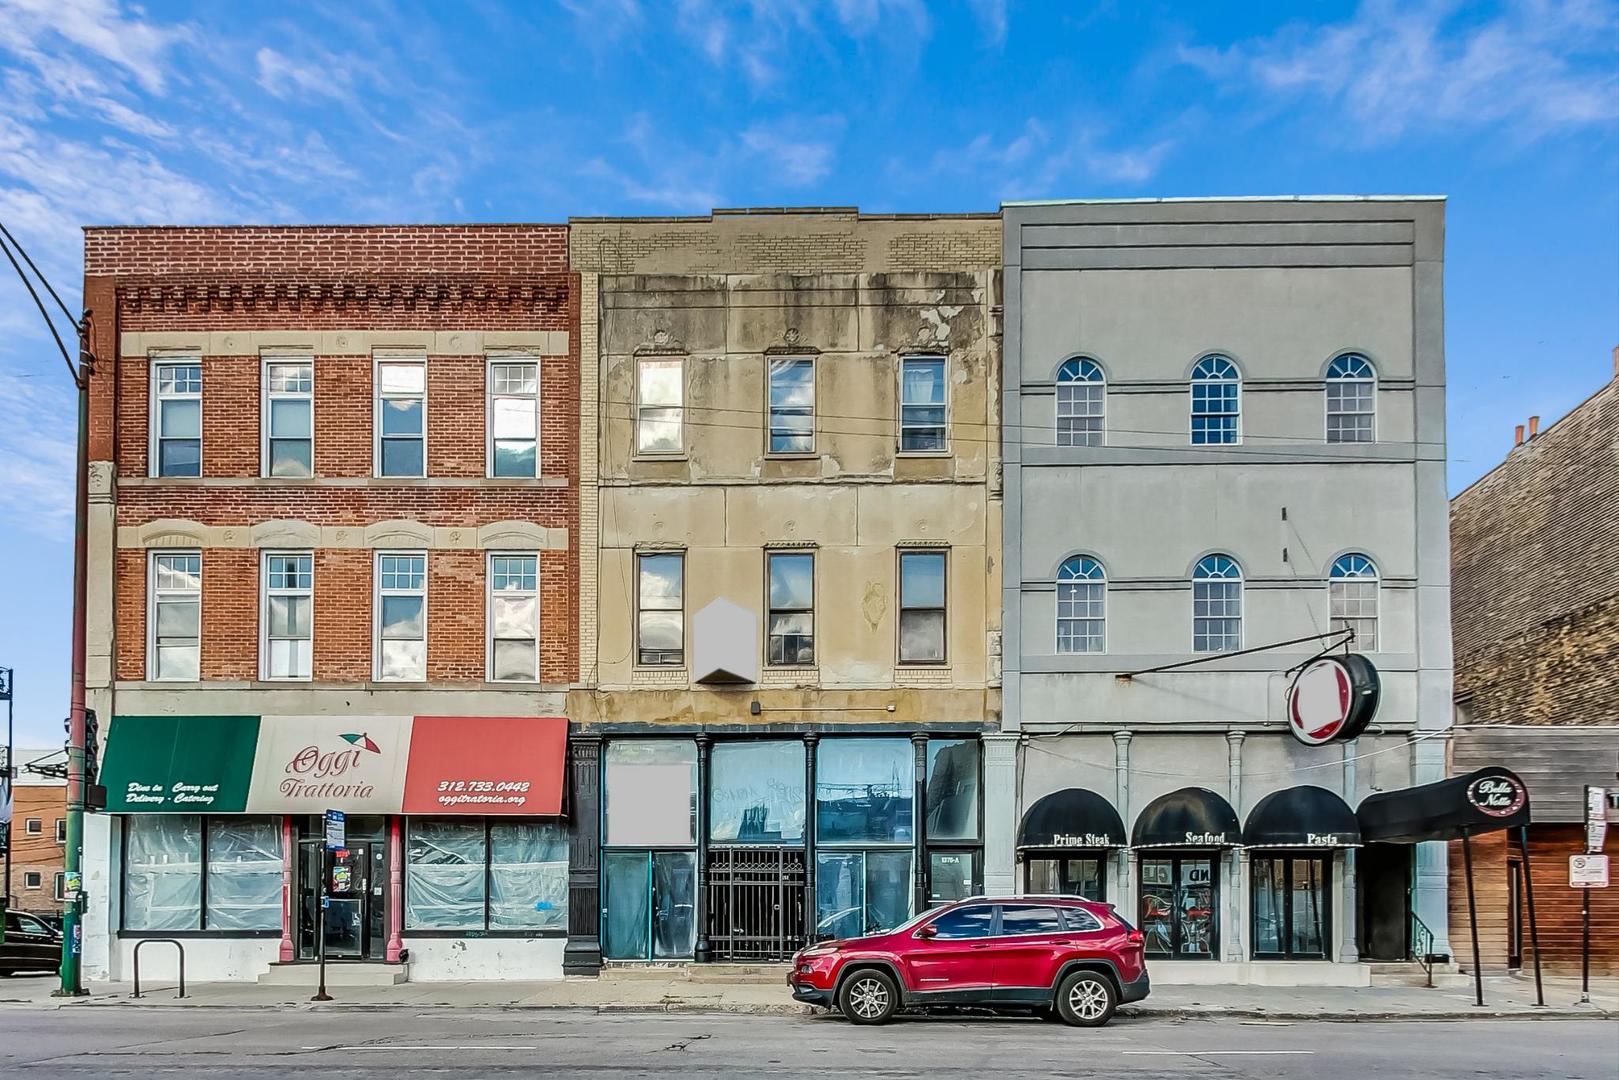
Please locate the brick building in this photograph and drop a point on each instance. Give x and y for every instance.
(1535, 607)
(38, 831)
(334, 565)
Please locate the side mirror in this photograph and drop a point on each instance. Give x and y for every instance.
(927, 931)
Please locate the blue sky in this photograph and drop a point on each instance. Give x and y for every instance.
(395, 110)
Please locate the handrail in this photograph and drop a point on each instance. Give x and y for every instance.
(1422, 946)
(181, 949)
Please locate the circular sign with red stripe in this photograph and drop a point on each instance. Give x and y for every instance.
(1332, 698)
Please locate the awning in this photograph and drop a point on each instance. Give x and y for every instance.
(359, 764)
(1483, 801)
(1190, 817)
(1075, 818)
(1301, 817)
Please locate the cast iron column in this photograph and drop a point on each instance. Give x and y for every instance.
(583, 955)
(811, 916)
(919, 815)
(705, 748)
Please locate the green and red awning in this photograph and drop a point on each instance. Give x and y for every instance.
(360, 764)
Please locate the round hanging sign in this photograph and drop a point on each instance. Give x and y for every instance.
(1332, 699)
(1497, 796)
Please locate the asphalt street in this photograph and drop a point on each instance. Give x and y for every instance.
(207, 1043)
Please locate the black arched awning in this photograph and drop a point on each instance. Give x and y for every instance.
(1075, 818)
(1483, 801)
(1190, 817)
(1301, 817)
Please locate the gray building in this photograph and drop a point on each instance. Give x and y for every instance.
(1224, 428)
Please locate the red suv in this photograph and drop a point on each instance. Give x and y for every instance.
(1064, 957)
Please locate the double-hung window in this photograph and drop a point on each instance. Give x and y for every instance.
(1351, 399)
(1216, 402)
(792, 405)
(1352, 594)
(792, 608)
(177, 418)
(402, 617)
(289, 422)
(1081, 403)
(1216, 604)
(401, 411)
(176, 616)
(184, 872)
(660, 414)
(921, 607)
(514, 416)
(1081, 606)
(660, 615)
(289, 631)
(923, 412)
(514, 618)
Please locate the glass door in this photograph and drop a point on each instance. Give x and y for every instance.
(1180, 906)
(1065, 875)
(1291, 907)
(352, 919)
(651, 905)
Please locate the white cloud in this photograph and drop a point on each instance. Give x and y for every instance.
(289, 79)
(1040, 162)
(800, 153)
(37, 454)
(1533, 68)
(991, 16)
(138, 46)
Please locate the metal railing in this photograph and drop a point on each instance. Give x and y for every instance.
(181, 949)
(1422, 946)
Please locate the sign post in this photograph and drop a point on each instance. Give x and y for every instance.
(1587, 872)
(336, 840)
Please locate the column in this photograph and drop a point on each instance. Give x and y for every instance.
(1000, 814)
(1430, 898)
(811, 917)
(705, 749)
(582, 955)
(919, 843)
(1121, 801)
(1236, 893)
(396, 888)
(1349, 910)
(289, 897)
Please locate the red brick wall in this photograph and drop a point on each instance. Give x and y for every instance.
(129, 613)
(37, 854)
(230, 416)
(343, 416)
(230, 613)
(455, 416)
(343, 614)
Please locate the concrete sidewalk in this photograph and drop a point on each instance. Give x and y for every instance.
(1504, 998)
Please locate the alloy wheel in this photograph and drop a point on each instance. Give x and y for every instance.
(868, 998)
(1088, 999)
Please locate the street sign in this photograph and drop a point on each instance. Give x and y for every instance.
(336, 830)
(1588, 871)
(1596, 818)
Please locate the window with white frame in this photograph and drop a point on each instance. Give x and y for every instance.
(921, 607)
(791, 639)
(59, 885)
(61, 830)
(1216, 604)
(288, 620)
(660, 616)
(33, 826)
(1352, 592)
(923, 408)
(514, 416)
(402, 617)
(1081, 606)
(177, 418)
(514, 618)
(660, 415)
(175, 615)
(32, 879)
(1351, 399)
(401, 409)
(792, 405)
(289, 417)
(1081, 403)
(1216, 402)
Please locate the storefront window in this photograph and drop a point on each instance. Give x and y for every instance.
(486, 875)
(1067, 875)
(756, 793)
(244, 874)
(163, 872)
(650, 792)
(651, 904)
(1291, 907)
(1180, 906)
(952, 789)
(861, 892)
(952, 876)
(865, 791)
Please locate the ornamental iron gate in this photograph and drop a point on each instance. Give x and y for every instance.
(755, 903)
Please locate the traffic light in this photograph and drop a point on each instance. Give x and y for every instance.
(92, 753)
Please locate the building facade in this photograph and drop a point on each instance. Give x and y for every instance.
(1535, 600)
(792, 661)
(334, 566)
(37, 834)
(1224, 430)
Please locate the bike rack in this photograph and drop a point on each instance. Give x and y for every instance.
(181, 949)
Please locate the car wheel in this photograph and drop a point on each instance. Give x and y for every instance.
(868, 997)
(1086, 999)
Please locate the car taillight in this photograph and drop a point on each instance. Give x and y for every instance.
(1136, 937)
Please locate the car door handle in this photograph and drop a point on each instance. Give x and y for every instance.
(978, 946)
(1062, 942)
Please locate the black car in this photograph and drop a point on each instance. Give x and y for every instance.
(29, 945)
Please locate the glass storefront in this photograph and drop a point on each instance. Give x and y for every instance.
(1063, 874)
(187, 872)
(494, 874)
(649, 802)
(756, 792)
(1292, 906)
(1180, 905)
(651, 910)
(865, 829)
(954, 827)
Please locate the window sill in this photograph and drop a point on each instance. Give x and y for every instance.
(408, 934)
(681, 456)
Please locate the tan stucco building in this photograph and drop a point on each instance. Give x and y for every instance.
(796, 543)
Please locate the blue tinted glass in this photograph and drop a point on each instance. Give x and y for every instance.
(952, 789)
(864, 791)
(921, 580)
(402, 457)
(924, 381)
(179, 457)
(756, 792)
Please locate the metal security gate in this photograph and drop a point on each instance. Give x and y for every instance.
(755, 903)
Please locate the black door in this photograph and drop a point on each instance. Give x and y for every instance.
(1514, 918)
(755, 903)
(1384, 889)
(350, 909)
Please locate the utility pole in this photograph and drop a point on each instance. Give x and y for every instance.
(8, 679)
(80, 369)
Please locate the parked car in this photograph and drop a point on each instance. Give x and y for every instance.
(1060, 956)
(30, 945)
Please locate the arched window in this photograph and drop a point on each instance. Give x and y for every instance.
(1081, 606)
(1216, 402)
(1352, 592)
(1081, 403)
(1216, 604)
(1351, 399)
